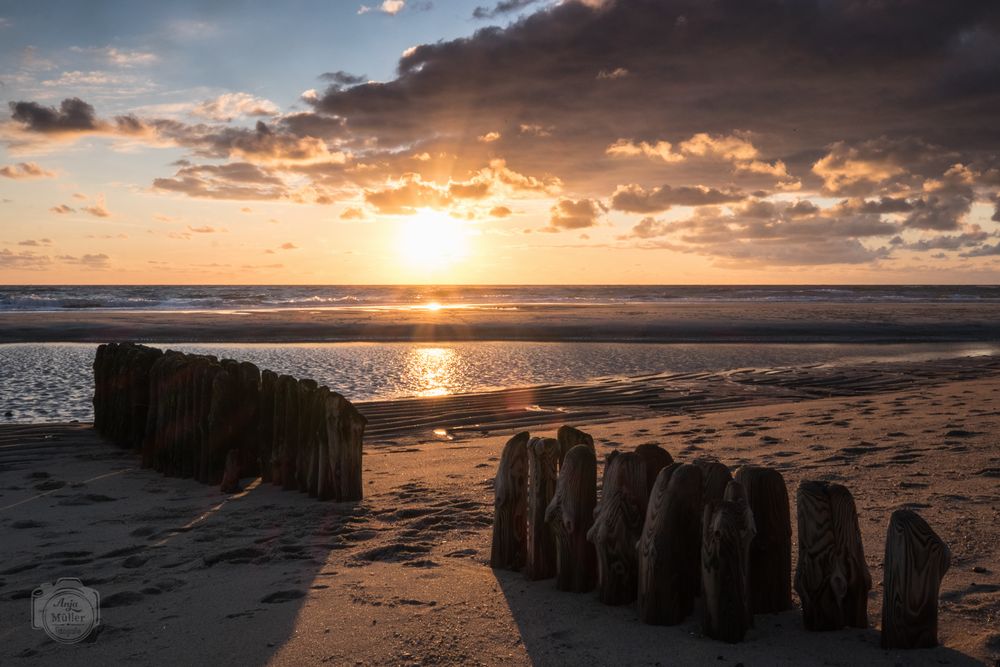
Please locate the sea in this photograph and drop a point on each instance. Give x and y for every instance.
(48, 382)
(270, 297)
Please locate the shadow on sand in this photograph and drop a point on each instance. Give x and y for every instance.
(560, 628)
(186, 575)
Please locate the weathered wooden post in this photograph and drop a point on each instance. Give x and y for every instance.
(831, 576)
(221, 429)
(771, 549)
(569, 437)
(509, 549)
(265, 412)
(231, 474)
(617, 526)
(543, 474)
(281, 429)
(670, 547)
(916, 560)
(716, 478)
(727, 531)
(655, 458)
(307, 397)
(248, 417)
(345, 430)
(290, 444)
(570, 515)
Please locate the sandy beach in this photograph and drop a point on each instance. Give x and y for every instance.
(272, 577)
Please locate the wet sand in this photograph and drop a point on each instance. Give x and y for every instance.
(273, 577)
(654, 322)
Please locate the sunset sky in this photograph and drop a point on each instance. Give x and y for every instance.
(530, 141)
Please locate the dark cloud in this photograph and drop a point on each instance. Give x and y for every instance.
(342, 78)
(570, 214)
(73, 115)
(636, 199)
(236, 180)
(35, 243)
(503, 7)
(62, 209)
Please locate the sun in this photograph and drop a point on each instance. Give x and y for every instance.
(432, 240)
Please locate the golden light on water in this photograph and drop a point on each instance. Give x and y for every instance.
(432, 241)
(434, 370)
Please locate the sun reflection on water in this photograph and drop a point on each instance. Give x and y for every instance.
(433, 370)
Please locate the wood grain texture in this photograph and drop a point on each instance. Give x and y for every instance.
(617, 527)
(831, 576)
(569, 437)
(916, 560)
(570, 515)
(543, 475)
(771, 548)
(727, 532)
(669, 550)
(509, 549)
(655, 458)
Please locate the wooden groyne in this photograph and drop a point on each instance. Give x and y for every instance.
(187, 414)
(664, 534)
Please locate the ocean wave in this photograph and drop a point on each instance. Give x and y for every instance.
(257, 297)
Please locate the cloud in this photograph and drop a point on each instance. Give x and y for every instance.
(235, 180)
(35, 243)
(95, 262)
(289, 246)
(403, 196)
(502, 7)
(616, 73)
(342, 78)
(23, 261)
(390, 7)
(228, 106)
(352, 213)
(734, 149)
(204, 229)
(500, 212)
(570, 214)
(119, 57)
(24, 170)
(636, 199)
(73, 115)
(98, 209)
(489, 137)
(62, 209)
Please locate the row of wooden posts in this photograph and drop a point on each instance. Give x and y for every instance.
(217, 421)
(665, 533)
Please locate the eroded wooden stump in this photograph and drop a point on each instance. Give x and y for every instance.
(831, 576)
(716, 477)
(570, 515)
(669, 550)
(231, 475)
(569, 437)
(916, 560)
(655, 458)
(771, 548)
(617, 527)
(510, 505)
(727, 531)
(543, 474)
